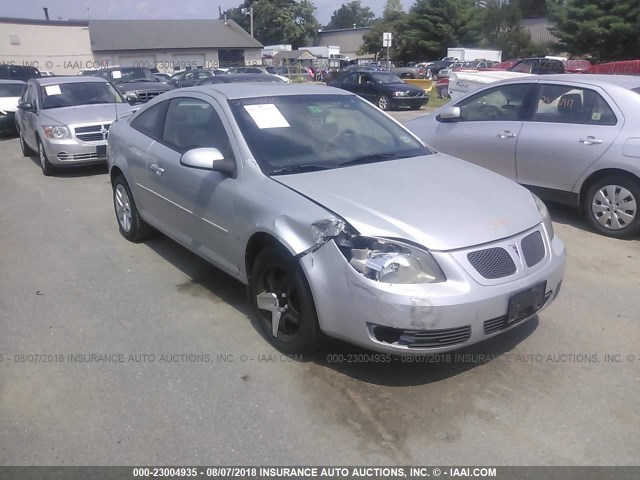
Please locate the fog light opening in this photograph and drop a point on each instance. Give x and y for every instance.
(386, 334)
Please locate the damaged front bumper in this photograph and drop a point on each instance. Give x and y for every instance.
(422, 318)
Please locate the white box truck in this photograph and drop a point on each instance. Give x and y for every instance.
(470, 54)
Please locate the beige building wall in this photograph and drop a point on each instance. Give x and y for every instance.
(62, 49)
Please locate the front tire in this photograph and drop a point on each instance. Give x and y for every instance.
(47, 168)
(383, 102)
(131, 225)
(275, 271)
(611, 206)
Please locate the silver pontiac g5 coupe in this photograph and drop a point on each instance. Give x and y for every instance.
(340, 221)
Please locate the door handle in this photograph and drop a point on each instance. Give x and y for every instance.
(590, 140)
(507, 134)
(159, 170)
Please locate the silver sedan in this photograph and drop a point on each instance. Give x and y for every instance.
(571, 139)
(339, 220)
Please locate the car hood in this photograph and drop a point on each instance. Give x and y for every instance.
(437, 201)
(402, 87)
(145, 86)
(103, 112)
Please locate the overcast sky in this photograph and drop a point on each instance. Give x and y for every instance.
(164, 9)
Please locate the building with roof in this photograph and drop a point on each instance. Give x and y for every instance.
(66, 47)
(349, 40)
(173, 44)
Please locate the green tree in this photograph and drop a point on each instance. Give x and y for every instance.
(533, 8)
(502, 30)
(391, 21)
(350, 14)
(279, 21)
(431, 26)
(606, 30)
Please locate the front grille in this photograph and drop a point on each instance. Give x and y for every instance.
(421, 338)
(146, 95)
(92, 133)
(492, 263)
(533, 249)
(79, 156)
(417, 94)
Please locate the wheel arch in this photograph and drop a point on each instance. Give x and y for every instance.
(259, 241)
(115, 173)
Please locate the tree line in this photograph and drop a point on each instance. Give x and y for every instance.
(602, 30)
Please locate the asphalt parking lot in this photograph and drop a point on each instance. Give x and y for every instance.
(71, 286)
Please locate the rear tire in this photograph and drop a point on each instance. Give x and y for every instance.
(611, 206)
(276, 271)
(131, 225)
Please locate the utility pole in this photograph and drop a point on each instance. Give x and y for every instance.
(249, 11)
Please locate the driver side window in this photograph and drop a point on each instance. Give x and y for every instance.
(505, 103)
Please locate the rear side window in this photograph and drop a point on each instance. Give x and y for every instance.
(568, 104)
(151, 121)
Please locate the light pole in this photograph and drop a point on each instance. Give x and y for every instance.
(249, 11)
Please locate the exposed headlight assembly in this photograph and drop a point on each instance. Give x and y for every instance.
(546, 218)
(391, 261)
(400, 94)
(56, 132)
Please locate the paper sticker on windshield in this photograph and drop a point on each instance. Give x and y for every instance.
(267, 116)
(405, 138)
(314, 109)
(596, 116)
(116, 74)
(53, 90)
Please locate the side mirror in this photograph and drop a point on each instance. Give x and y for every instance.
(450, 113)
(208, 159)
(26, 106)
(132, 98)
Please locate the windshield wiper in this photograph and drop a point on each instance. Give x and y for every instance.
(300, 169)
(373, 158)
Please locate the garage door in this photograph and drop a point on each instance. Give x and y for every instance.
(148, 61)
(184, 60)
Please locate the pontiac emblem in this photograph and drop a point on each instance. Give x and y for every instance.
(514, 247)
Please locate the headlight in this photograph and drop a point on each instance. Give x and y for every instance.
(546, 218)
(57, 132)
(400, 94)
(391, 262)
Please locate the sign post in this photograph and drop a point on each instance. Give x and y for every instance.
(386, 42)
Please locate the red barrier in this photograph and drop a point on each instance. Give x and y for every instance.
(628, 67)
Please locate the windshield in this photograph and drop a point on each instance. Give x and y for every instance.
(292, 134)
(383, 78)
(132, 74)
(11, 89)
(80, 93)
